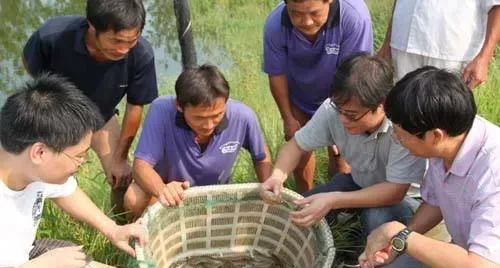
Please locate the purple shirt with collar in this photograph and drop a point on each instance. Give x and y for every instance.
(468, 194)
(310, 67)
(169, 145)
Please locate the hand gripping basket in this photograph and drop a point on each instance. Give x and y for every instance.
(227, 221)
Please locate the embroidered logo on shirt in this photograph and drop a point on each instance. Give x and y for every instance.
(332, 49)
(36, 212)
(229, 147)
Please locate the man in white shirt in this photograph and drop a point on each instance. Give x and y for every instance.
(457, 35)
(45, 132)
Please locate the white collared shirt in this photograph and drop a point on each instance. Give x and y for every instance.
(442, 29)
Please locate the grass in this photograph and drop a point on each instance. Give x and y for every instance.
(235, 26)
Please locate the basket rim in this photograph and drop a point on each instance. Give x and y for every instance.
(152, 210)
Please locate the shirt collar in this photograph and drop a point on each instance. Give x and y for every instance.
(180, 121)
(80, 38)
(384, 128)
(333, 16)
(474, 141)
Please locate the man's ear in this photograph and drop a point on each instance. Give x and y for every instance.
(438, 135)
(178, 106)
(38, 152)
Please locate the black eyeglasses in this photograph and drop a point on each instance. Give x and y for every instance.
(349, 117)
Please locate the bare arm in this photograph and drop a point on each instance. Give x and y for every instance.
(279, 90)
(288, 158)
(80, 207)
(442, 254)
(318, 205)
(476, 72)
(426, 217)
(147, 178)
(263, 168)
(385, 49)
(130, 126)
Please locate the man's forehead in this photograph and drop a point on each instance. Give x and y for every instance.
(307, 6)
(125, 34)
(353, 104)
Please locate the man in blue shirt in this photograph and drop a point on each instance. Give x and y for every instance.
(105, 56)
(193, 139)
(304, 43)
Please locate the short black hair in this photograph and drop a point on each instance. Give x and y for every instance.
(116, 15)
(366, 77)
(201, 86)
(430, 98)
(49, 110)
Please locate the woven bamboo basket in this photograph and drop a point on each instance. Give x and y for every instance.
(230, 221)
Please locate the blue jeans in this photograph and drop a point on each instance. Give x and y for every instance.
(372, 218)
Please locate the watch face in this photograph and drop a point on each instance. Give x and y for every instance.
(398, 244)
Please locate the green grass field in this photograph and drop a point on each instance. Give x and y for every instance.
(237, 27)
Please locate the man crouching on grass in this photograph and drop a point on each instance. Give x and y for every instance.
(434, 116)
(45, 133)
(193, 139)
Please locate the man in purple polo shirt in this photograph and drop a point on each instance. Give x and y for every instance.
(434, 116)
(304, 43)
(193, 139)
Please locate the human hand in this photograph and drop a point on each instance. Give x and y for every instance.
(119, 173)
(290, 126)
(476, 72)
(270, 190)
(316, 207)
(65, 257)
(121, 235)
(378, 249)
(172, 193)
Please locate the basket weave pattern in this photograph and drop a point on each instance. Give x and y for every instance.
(229, 221)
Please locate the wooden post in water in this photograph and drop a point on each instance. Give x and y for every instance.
(184, 31)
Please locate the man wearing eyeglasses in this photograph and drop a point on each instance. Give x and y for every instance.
(435, 116)
(382, 169)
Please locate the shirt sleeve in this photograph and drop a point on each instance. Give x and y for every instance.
(484, 235)
(36, 54)
(489, 4)
(142, 88)
(316, 133)
(357, 35)
(275, 50)
(61, 190)
(402, 167)
(254, 138)
(151, 145)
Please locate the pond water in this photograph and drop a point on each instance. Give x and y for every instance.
(21, 18)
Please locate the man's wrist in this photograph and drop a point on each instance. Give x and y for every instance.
(279, 175)
(109, 228)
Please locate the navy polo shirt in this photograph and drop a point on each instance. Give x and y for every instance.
(310, 66)
(59, 47)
